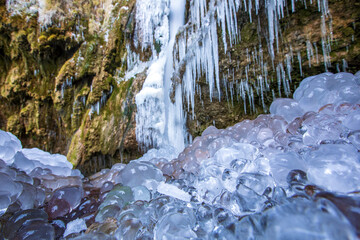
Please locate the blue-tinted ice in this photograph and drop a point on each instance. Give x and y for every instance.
(291, 174)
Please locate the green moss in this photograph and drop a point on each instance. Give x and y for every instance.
(248, 33)
(348, 32)
(73, 153)
(13, 124)
(52, 37)
(84, 91)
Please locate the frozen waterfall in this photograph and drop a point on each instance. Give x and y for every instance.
(184, 52)
(159, 120)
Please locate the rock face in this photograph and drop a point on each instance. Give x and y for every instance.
(63, 86)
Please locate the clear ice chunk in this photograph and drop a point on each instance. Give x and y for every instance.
(335, 167)
(9, 146)
(170, 225)
(75, 226)
(173, 191)
(138, 173)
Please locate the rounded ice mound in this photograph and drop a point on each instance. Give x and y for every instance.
(352, 120)
(170, 225)
(303, 219)
(327, 88)
(166, 152)
(288, 108)
(138, 173)
(335, 167)
(45, 158)
(9, 145)
(11, 152)
(29, 159)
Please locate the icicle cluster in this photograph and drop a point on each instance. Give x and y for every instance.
(196, 54)
(152, 25)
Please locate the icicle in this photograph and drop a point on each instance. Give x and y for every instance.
(300, 63)
(62, 90)
(261, 81)
(271, 19)
(226, 89)
(278, 73)
(345, 65)
(316, 53)
(231, 87)
(309, 52)
(273, 94)
(252, 104)
(249, 9)
(288, 66)
(83, 98)
(323, 42)
(98, 108)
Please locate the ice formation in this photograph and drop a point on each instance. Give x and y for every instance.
(291, 174)
(177, 65)
(158, 121)
(46, 13)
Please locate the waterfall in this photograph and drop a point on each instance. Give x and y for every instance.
(159, 121)
(174, 119)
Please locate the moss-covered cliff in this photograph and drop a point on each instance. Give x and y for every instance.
(61, 79)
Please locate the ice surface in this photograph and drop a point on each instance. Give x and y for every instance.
(27, 160)
(75, 226)
(289, 109)
(141, 193)
(72, 195)
(9, 145)
(297, 220)
(138, 173)
(172, 224)
(335, 167)
(291, 174)
(327, 88)
(173, 191)
(4, 202)
(28, 223)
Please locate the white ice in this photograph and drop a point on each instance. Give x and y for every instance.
(75, 226)
(173, 191)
